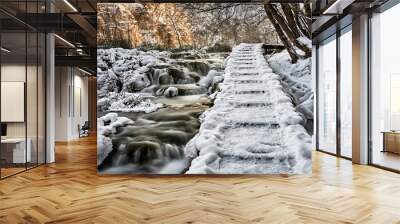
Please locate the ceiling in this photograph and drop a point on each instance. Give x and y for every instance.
(74, 22)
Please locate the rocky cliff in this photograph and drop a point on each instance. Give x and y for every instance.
(136, 25)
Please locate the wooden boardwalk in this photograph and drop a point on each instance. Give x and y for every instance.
(70, 191)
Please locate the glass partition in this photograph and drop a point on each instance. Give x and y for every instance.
(32, 98)
(22, 77)
(327, 95)
(14, 143)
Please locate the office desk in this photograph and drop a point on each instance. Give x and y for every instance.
(13, 150)
(391, 141)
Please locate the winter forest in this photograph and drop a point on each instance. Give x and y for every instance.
(216, 88)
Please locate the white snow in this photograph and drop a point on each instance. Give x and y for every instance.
(296, 79)
(106, 126)
(253, 126)
(127, 102)
(171, 91)
(122, 74)
(306, 41)
(212, 77)
(128, 78)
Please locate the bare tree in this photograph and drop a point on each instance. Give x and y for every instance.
(289, 47)
(291, 23)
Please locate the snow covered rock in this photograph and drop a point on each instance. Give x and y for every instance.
(171, 91)
(127, 102)
(107, 125)
(296, 79)
(208, 80)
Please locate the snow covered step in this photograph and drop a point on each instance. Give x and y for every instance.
(251, 166)
(250, 92)
(264, 121)
(245, 63)
(252, 104)
(242, 55)
(250, 59)
(249, 81)
(237, 103)
(246, 98)
(252, 86)
(250, 76)
(245, 67)
(245, 74)
(253, 126)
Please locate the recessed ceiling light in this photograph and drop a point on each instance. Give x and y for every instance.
(337, 7)
(70, 5)
(64, 40)
(86, 72)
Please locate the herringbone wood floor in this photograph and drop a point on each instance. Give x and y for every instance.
(70, 191)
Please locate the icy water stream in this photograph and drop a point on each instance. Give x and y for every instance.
(155, 142)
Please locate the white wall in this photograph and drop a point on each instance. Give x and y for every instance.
(71, 102)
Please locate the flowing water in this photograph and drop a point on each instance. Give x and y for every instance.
(155, 143)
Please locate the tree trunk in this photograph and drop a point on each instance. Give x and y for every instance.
(307, 8)
(302, 20)
(290, 17)
(176, 32)
(292, 53)
(281, 22)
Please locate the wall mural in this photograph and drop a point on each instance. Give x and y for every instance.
(204, 88)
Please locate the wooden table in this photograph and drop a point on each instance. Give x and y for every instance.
(13, 150)
(391, 141)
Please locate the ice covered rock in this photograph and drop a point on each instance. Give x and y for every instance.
(134, 81)
(208, 80)
(127, 102)
(296, 79)
(107, 125)
(171, 91)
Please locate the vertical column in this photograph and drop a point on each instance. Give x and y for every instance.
(50, 99)
(314, 86)
(360, 90)
(50, 92)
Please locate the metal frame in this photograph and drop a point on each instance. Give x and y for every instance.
(382, 8)
(338, 75)
(338, 153)
(387, 5)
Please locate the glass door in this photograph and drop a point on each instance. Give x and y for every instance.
(385, 90)
(346, 74)
(327, 95)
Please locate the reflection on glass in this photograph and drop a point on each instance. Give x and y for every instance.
(346, 94)
(327, 96)
(31, 97)
(41, 99)
(385, 83)
(22, 90)
(15, 150)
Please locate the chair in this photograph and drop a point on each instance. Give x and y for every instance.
(84, 130)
